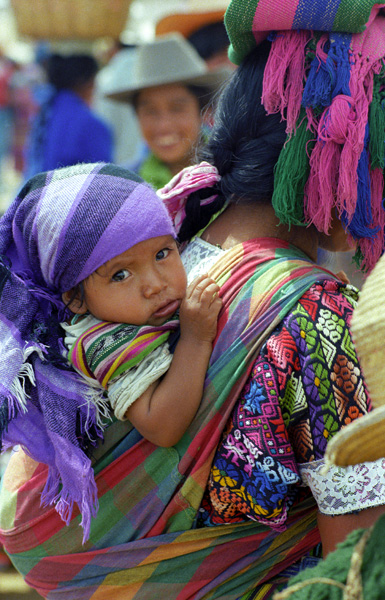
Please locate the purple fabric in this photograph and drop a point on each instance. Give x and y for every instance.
(63, 225)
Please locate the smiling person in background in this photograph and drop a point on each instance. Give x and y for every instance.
(170, 88)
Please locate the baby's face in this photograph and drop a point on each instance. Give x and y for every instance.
(144, 285)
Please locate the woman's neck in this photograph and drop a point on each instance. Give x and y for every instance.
(246, 221)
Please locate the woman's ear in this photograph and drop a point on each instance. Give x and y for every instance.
(74, 303)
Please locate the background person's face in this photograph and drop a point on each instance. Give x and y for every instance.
(170, 121)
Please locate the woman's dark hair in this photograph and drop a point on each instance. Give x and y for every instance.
(244, 144)
(70, 72)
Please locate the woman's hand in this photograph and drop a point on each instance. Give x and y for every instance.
(199, 310)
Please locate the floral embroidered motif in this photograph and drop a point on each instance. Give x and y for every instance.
(345, 490)
(305, 385)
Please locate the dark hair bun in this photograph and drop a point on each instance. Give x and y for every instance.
(69, 72)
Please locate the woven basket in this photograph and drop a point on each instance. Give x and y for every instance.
(70, 19)
(368, 331)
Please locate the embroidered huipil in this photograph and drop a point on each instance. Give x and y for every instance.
(305, 385)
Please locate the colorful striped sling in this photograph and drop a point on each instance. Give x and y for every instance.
(143, 543)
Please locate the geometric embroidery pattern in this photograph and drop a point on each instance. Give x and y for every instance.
(305, 385)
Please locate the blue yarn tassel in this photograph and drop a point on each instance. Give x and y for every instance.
(328, 79)
(361, 225)
(339, 56)
(318, 86)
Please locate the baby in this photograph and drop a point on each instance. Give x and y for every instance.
(92, 248)
(125, 310)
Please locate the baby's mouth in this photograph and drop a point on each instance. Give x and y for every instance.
(167, 309)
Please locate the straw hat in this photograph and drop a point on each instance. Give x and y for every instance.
(169, 59)
(187, 23)
(364, 439)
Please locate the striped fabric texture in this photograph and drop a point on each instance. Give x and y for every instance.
(63, 225)
(248, 23)
(143, 542)
(106, 350)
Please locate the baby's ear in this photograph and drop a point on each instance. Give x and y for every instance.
(74, 302)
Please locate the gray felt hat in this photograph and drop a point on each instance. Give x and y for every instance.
(169, 59)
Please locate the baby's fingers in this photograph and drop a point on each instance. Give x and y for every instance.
(210, 296)
(199, 283)
(203, 290)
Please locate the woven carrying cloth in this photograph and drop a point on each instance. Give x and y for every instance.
(62, 227)
(143, 543)
(106, 350)
(325, 75)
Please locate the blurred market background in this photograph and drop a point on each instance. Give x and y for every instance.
(30, 29)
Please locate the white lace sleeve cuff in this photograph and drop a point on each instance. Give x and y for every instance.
(342, 490)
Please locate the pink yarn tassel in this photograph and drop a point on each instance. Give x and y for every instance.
(341, 134)
(325, 169)
(320, 188)
(371, 249)
(284, 76)
(320, 52)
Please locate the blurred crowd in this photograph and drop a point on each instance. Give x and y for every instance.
(62, 108)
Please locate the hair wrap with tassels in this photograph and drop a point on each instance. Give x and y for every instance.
(191, 179)
(324, 75)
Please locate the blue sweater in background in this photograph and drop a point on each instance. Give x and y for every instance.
(65, 133)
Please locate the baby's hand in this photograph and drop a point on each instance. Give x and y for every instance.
(199, 310)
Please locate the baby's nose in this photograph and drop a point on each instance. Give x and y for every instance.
(153, 285)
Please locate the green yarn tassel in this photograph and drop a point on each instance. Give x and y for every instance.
(358, 258)
(377, 123)
(291, 173)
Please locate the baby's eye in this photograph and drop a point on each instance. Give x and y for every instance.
(163, 253)
(121, 275)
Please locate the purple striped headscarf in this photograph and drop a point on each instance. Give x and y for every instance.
(63, 225)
